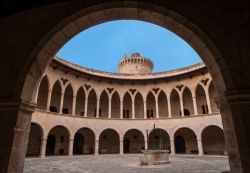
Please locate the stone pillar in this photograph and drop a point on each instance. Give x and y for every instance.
(182, 108)
(157, 109)
(200, 147)
(43, 148)
(234, 108)
(97, 108)
(195, 105)
(169, 109)
(208, 102)
(146, 143)
(109, 116)
(61, 103)
(121, 147)
(71, 145)
(133, 108)
(145, 109)
(86, 107)
(172, 145)
(74, 105)
(15, 122)
(48, 100)
(96, 147)
(121, 110)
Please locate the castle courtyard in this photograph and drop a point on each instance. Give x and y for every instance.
(127, 163)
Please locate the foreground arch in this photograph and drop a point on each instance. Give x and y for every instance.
(109, 142)
(58, 141)
(213, 140)
(133, 141)
(224, 49)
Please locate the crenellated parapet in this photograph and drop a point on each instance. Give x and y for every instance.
(135, 65)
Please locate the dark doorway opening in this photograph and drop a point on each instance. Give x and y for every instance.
(78, 144)
(126, 146)
(180, 146)
(50, 146)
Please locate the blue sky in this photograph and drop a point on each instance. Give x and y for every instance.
(102, 46)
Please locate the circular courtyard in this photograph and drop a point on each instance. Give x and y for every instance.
(127, 163)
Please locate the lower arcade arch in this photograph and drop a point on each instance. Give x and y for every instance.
(58, 141)
(84, 141)
(35, 138)
(158, 139)
(133, 141)
(109, 142)
(185, 141)
(213, 140)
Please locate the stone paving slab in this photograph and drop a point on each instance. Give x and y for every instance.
(128, 163)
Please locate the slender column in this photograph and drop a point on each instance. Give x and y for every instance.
(208, 102)
(146, 143)
(97, 108)
(200, 147)
(182, 109)
(121, 110)
(121, 147)
(133, 108)
(43, 148)
(157, 109)
(48, 100)
(145, 109)
(71, 144)
(86, 107)
(195, 105)
(61, 103)
(109, 116)
(172, 145)
(74, 105)
(169, 109)
(96, 147)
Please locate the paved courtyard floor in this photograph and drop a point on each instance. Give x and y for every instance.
(125, 164)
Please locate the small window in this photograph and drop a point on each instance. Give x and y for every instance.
(204, 109)
(53, 109)
(65, 111)
(82, 113)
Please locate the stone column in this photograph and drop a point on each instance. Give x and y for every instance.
(195, 105)
(74, 105)
(169, 109)
(172, 145)
(15, 122)
(182, 108)
(146, 143)
(97, 108)
(96, 147)
(133, 108)
(61, 103)
(71, 144)
(43, 148)
(157, 109)
(208, 102)
(86, 107)
(109, 116)
(121, 147)
(200, 147)
(48, 100)
(145, 109)
(121, 110)
(234, 108)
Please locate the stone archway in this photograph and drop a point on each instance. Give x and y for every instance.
(58, 141)
(109, 142)
(185, 141)
(213, 141)
(224, 48)
(84, 142)
(133, 141)
(158, 139)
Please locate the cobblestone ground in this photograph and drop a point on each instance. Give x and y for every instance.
(124, 164)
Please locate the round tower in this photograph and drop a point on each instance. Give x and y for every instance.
(135, 65)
